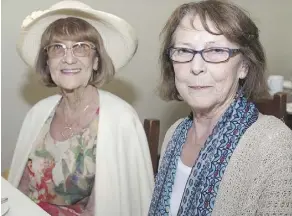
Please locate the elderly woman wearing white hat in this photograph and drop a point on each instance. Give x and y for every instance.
(83, 152)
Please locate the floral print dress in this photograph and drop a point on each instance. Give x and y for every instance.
(59, 175)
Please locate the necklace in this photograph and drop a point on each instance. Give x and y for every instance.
(68, 130)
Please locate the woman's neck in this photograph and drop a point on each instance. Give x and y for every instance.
(205, 121)
(78, 98)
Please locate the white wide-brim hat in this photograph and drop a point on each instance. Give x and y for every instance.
(119, 37)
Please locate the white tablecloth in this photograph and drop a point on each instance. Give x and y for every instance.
(20, 205)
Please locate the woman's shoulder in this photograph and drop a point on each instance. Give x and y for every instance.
(51, 100)
(115, 105)
(172, 128)
(44, 104)
(271, 126)
(271, 133)
(170, 131)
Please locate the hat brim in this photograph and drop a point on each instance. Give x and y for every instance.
(119, 38)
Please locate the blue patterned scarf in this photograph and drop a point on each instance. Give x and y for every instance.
(203, 183)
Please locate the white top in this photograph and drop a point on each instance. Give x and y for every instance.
(181, 177)
(122, 146)
(18, 203)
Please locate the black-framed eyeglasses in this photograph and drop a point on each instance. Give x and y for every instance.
(79, 49)
(210, 55)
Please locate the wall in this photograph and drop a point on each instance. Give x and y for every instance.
(137, 82)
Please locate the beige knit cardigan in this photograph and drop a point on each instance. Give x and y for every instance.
(258, 178)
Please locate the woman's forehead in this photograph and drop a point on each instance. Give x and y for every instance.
(191, 31)
(64, 38)
(193, 22)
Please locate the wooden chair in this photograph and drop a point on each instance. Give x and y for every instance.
(152, 129)
(275, 106)
(5, 174)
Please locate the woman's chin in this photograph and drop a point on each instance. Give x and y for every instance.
(202, 109)
(201, 106)
(69, 88)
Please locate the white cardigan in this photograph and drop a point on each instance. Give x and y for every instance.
(124, 176)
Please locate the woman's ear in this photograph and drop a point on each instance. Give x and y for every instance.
(243, 70)
(95, 63)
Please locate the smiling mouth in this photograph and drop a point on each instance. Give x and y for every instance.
(199, 87)
(71, 71)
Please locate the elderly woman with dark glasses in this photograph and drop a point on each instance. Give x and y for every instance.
(83, 152)
(225, 158)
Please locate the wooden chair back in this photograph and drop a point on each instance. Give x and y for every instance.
(275, 106)
(152, 130)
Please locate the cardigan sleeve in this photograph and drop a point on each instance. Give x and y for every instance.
(140, 180)
(14, 175)
(34, 118)
(276, 197)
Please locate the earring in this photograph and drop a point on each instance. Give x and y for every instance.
(241, 76)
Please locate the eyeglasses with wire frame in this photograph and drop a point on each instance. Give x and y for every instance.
(210, 55)
(79, 49)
